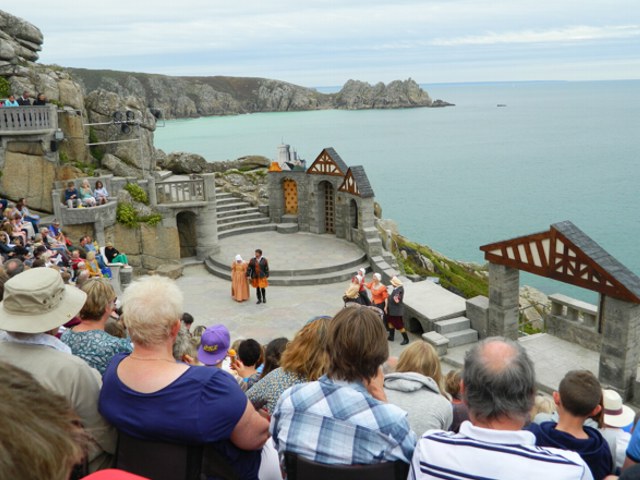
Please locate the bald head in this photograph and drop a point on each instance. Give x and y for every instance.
(499, 380)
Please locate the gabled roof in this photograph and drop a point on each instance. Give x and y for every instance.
(356, 183)
(328, 163)
(567, 254)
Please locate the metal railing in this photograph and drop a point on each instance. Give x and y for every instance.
(180, 191)
(27, 120)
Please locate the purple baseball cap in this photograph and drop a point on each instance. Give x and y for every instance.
(214, 345)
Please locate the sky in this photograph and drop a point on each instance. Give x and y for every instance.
(318, 43)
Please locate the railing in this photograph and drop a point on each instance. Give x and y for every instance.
(180, 191)
(27, 120)
(573, 310)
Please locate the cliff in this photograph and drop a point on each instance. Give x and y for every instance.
(180, 97)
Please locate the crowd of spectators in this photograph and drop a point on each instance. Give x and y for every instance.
(140, 366)
(85, 196)
(24, 100)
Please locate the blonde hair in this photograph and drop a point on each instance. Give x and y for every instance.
(352, 290)
(422, 358)
(151, 306)
(452, 383)
(100, 294)
(542, 404)
(306, 355)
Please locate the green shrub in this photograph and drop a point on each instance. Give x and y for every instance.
(5, 87)
(126, 215)
(137, 193)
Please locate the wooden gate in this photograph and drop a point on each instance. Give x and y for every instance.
(329, 208)
(290, 192)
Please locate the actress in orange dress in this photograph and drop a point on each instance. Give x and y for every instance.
(239, 283)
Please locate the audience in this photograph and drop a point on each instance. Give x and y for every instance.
(498, 387)
(248, 360)
(453, 381)
(616, 417)
(273, 354)
(344, 418)
(416, 387)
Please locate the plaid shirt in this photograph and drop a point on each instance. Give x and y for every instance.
(338, 422)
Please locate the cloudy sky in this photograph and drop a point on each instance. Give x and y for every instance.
(326, 42)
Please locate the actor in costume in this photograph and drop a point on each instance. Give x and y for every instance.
(258, 272)
(395, 307)
(239, 283)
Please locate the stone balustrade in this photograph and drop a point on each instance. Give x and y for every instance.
(36, 120)
(573, 310)
(574, 320)
(180, 191)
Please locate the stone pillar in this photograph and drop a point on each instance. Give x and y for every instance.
(153, 198)
(620, 352)
(207, 229)
(504, 284)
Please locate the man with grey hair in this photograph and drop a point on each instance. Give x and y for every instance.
(498, 387)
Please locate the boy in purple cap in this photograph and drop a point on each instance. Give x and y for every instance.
(214, 346)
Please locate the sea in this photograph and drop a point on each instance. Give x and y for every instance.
(460, 177)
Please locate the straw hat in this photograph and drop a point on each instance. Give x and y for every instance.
(616, 414)
(37, 300)
(395, 281)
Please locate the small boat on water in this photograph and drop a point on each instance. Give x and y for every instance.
(501, 105)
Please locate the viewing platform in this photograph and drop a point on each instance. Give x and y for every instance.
(35, 120)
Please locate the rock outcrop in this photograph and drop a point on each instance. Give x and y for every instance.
(356, 95)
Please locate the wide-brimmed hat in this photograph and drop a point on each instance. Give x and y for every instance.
(395, 281)
(214, 345)
(616, 413)
(37, 300)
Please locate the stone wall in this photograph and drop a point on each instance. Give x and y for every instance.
(147, 247)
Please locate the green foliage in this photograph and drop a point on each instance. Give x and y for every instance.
(96, 150)
(126, 215)
(5, 87)
(57, 103)
(137, 193)
(153, 219)
(64, 158)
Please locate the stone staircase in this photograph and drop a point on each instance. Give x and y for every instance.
(235, 217)
(457, 330)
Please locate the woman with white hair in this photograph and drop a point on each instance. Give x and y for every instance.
(149, 395)
(239, 282)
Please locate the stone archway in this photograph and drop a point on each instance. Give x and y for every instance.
(186, 223)
(353, 214)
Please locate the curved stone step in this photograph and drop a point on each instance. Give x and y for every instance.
(241, 230)
(246, 222)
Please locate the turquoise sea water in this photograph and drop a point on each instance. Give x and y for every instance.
(460, 177)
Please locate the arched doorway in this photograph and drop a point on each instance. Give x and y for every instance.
(353, 214)
(186, 223)
(328, 206)
(290, 193)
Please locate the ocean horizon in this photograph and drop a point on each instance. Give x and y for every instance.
(460, 177)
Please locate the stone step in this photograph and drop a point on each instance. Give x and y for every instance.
(281, 279)
(462, 337)
(222, 202)
(232, 207)
(222, 227)
(240, 216)
(452, 325)
(254, 228)
(439, 342)
(287, 228)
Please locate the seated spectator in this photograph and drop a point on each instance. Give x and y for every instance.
(92, 265)
(248, 360)
(579, 397)
(88, 340)
(184, 350)
(498, 387)
(51, 440)
(36, 303)
(24, 100)
(186, 319)
(214, 346)
(100, 194)
(272, 355)
(72, 196)
(149, 395)
(452, 386)
(13, 267)
(11, 101)
(304, 360)
(543, 407)
(416, 387)
(86, 194)
(40, 99)
(56, 232)
(344, 418)
(616, 416)
(27, 215)
(352, 295)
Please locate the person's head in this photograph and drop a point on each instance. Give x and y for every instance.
(75, 254)
(579, 394)
(357, 344)
(498, 381)
(41, 97)
(187, 320)
(183, 349)
(71, 185)
(99, 184)
(91, 255)
(21, 203)
(452, 384)
(85, 183)
(83, 275)
(273, 353)
(377, 278)
(238, 258)
(616, 413)
(13, 267)
(250, 353)
(258, 253)
(101, 299)
(422, 358)
(115, 328)
(12, 98)
(152, 308)
(214, 345)
(25, 94)
(542, 404)
(45, 439)
(306, 354)
(197, 334)
(38, 301)
(353, 290)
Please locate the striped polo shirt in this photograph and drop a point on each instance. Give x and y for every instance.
(483, 454)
